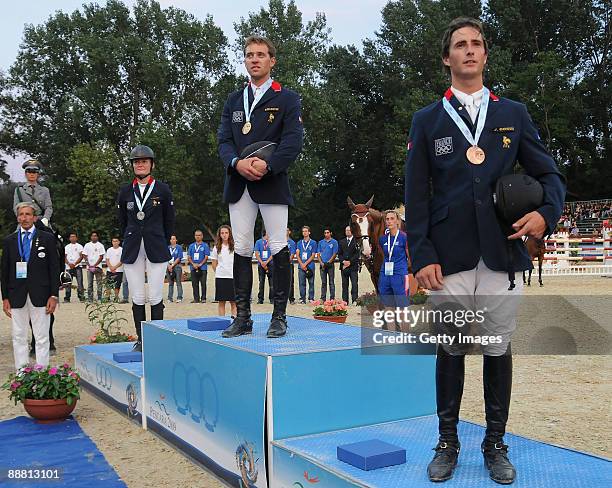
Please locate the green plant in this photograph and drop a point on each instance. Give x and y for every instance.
(107, 317)
(40, 383)
(368, 299)
(329, 308)
(419, 297)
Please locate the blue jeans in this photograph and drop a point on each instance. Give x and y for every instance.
(175, 276)
(126, 289)
(302, 282)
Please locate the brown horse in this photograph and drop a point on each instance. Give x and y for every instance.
(367, 226)
(536, 249)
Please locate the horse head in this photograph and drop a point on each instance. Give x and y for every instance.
(360, 221)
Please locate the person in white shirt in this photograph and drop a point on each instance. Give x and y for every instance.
(114, 267)
(73, 259)
(222, 256)
(94, 252)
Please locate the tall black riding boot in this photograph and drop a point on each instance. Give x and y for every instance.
(281, 281)
(450, 371)
(157, 311)
(243, 282)
(497, 380)
(140, 315)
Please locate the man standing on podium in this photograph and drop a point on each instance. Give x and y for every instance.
(262, 111)
(458, 148)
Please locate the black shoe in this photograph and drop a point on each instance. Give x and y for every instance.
(137, 347)
(292, 302)
(278, 326)
(239, 326)
(66, 300)
(302, 302)
(496, 460)
(195, 301)
(52, 351)
(259, 302)
(444, 462)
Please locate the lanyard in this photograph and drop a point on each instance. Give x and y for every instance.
(20, 248)
(265, 245)
(389, 246)
(245, 98)
(141, 201)
(459, 122)
(307, 248)
(196, 248)
(173, 251)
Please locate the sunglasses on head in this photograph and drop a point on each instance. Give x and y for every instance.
(31, 171)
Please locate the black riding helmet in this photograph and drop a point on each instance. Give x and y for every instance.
(515, 195)
(142, 152)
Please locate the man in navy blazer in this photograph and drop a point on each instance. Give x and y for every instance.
(458, 148)
(30, 284)
(146, 218)
(262, 111)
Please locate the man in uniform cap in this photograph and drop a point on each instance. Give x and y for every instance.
(262, 111)
(146, 217)
(33, 192)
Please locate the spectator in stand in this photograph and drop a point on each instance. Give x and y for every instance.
(197, 256)
(222, 257)
(73, 259)
(114, 267)
(175, 271)
(94, 254)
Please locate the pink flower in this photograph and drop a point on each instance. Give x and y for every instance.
(38, 367)
(328, 302)
(66, 366)
(15, 385)
(27, 369)
(328, 308)
(73, 374)
(315, 303)
(52, 371)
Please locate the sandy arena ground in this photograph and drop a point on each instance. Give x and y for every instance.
(563, 400)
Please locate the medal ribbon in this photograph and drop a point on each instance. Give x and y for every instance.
(307, 248)
(391, 246)
(459, 122)
(141, 201)
(245, 98)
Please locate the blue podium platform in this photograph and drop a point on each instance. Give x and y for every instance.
(119, 384)
(261, 412)
(538, 465)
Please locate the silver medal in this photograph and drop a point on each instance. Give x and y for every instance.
(140, 215)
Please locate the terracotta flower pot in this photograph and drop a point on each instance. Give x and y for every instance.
(48, 411)
(338, 319)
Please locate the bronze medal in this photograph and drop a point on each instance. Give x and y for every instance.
(246, 128)
(475, 155)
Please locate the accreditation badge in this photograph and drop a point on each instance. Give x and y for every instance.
(21, 270)
(196, 256)
(389, 268)
(304, 256)
(264, 254)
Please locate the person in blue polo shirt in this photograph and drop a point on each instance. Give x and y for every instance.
(306, 252)
(327, 249)
(175, 270)
(292, 248)
(265, 266)
(393, 279)
(197, 256)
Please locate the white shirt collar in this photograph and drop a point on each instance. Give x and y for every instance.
(30, 230)
(263, 88)
(465, 99)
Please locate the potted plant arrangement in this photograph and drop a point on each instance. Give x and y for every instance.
(370, 301)
(49, 394)
(330, 310)
(107, 317)
(420, 297)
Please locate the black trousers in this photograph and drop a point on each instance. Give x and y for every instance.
(291, 284)
(262, 281)
(353, 277)
(199, 280)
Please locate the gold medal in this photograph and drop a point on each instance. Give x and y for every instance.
(475, 155)
(246, 128)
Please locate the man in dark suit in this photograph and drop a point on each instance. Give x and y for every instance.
(30, 284)
(146, 218)
(348, 255)
(262, 111)
(458, 148)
